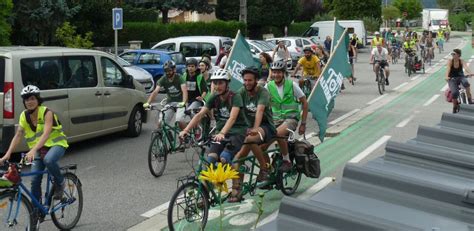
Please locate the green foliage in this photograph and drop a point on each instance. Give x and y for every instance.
(297, 29)
(390, 12)
(227, 10)
(136, 14)
(455, 6)
(200, 6)
(66, 35)
(350, 10)
(35, 22)
(371, 24)
(151, 33)
(412, 7)
(458, 21)
(323, 17)
(6, 7)
(309, 8)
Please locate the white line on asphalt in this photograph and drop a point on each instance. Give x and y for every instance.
(429, 69)
(376, 99)
(416, 77)
(400, 86)
(311, 134)
(445, 87)
(89, 168)
(436, 64)
(405, 122)
(156, 210)
(431, 100)
(344, 116)
(447, 56)
(370, 149)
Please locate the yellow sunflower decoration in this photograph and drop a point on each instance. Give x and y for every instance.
(219, 176)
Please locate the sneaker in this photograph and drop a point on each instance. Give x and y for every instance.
(59, 191)
(263, 181)
(285, 166)
(386, 82)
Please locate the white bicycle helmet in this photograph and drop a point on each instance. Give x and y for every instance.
(30, 90)
(221, 74)
(278, 65)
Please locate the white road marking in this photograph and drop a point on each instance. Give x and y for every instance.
(416, 77)
(400, 86)
(156, 210)
(445, 87)
(369, 149)
(405, 122)
(344, 116)
(376, 99)
(311, 134)
(431, 100)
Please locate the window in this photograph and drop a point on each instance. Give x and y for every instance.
(306, 42)
(350, 30)
(299, 43)
(178, 58)
(167, 46)
(193, 49)
(80, 72)
(113, 74)
(129, 57)
(312, 31)
(45, 73)
(149, 58)
(2, 73)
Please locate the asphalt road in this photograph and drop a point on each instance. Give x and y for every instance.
(118, 187)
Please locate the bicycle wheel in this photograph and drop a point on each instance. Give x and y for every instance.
(67, 211)
(289, 181)
(188, 208)
(381, 82)
(14, 214)
(409, 67)
(157, 155)
(307, 87)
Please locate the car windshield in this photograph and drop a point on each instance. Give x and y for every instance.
(123, 62)
(262, 45)
(178, 58)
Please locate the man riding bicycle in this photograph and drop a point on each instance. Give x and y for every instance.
(176, 91)
(285, 98)
(45, 139)
(455, 77)
(409, 46)
(311, 67)
(379, 57)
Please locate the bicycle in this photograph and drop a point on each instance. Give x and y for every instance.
(189, 205)
(395, 54)
(164, 140)
(380, 76)
(305, 84)
(17, 200)
(429, 55)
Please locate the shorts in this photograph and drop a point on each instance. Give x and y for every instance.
(236, 141)
(382, 63)
(454, 83)
(180, 116)
(292, 124)
(270, 133)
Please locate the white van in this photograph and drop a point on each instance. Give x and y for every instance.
(89, 91)
(195, 46)
(320, 30)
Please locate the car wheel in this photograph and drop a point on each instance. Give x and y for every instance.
(135, 123)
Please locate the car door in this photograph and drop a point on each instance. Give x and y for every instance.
(117, 102)
(85, 96)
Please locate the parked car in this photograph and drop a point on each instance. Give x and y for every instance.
(320, 30)
(295, 46)
(153, 60)
(89, 91)
(195, 46)
(139, 74)
(258, 46)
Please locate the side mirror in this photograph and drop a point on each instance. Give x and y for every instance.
(128, 81)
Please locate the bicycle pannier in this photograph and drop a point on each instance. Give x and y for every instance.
(306, 160)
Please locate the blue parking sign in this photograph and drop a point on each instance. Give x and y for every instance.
(117, 18)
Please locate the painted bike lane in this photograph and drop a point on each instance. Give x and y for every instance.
(335, 152)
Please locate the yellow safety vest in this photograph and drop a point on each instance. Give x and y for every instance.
(286, 107)
(376, 41)
(56, 137)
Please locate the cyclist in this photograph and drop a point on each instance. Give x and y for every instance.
(176, 91)
(352, 52)
(195, 83)
(258, 113)
(440, 40)
(377, 40)
(455, 76)
(265, 62)
(311, 67)
(285, 98)
(379, 57)
(204, 68)
(224, 58)
(45, 139)
(280, 52)
(230, 119)
(409, 46)
(430, 46)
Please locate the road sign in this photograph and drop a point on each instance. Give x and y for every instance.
(117, 18)
(405, 14)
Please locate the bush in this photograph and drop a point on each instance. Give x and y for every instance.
(151, 33)
(371, 24)
(134, 14)
(458, 21)
(297, 29)
(66, 35)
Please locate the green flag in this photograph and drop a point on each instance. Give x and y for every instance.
(338, 31)
(240, 57)
(322, 98)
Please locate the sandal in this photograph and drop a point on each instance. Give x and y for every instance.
(236, 194)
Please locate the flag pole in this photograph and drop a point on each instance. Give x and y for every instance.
(232, 49)
(332, 38)
(327, 64)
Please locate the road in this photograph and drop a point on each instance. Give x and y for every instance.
(119, 190)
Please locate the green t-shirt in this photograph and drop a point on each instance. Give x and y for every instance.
(250, 106)
(173, 88)
(222, 112)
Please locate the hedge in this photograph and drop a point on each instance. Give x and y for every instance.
(458, 21)
(151, 33)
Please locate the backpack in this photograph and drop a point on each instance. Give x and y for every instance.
(306, 160)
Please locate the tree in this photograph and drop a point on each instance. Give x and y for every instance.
(412, 7)
(35, 22)
(390, 12)
(6, 7)
(228, 10)
(309, 9)
(67, 36)
(348, 9)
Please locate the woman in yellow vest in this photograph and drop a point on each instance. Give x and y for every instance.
(45, 138)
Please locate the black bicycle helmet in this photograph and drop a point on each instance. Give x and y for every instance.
(252, 70)
(307, 48)
(169, 65)
(192, 61)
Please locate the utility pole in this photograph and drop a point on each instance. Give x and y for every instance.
(243, 11)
